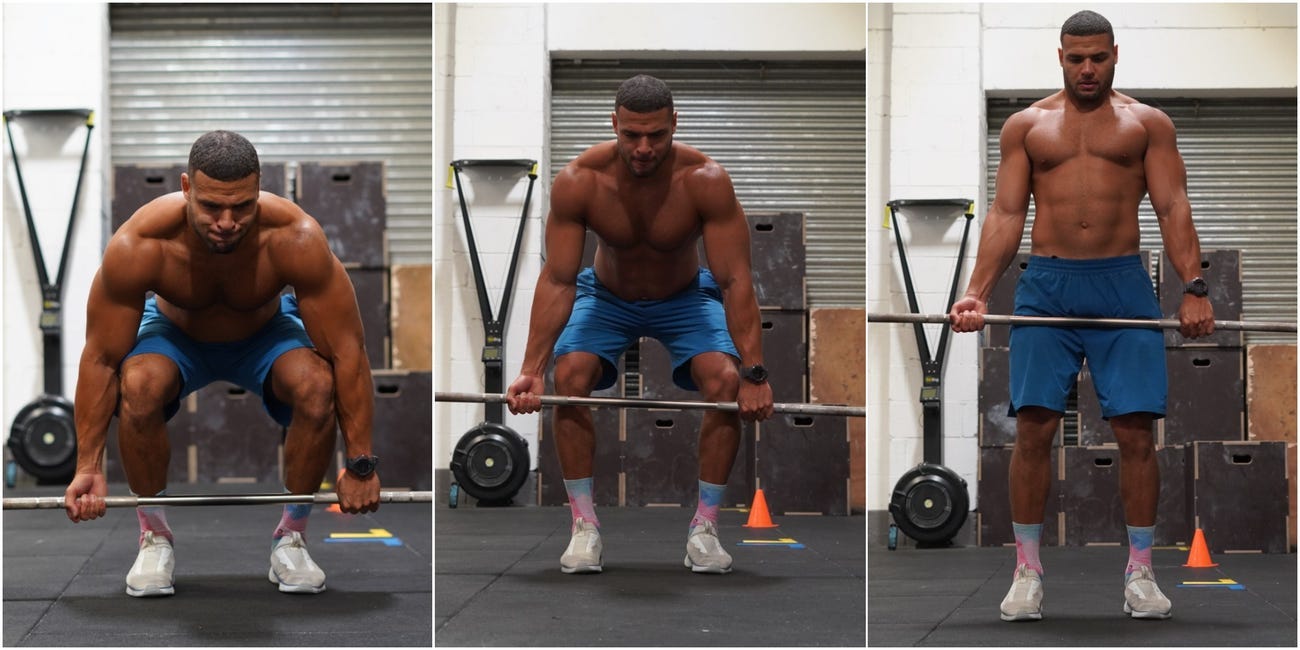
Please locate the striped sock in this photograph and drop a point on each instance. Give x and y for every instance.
(294, 520)
(1027, 537)
(1140, 539)
(710, 499)
(153, 520)
(580, 503)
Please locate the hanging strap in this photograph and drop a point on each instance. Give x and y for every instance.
(51, 319)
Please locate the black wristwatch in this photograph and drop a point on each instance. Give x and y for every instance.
(363, 466)
(1197, 287)
(755, 374)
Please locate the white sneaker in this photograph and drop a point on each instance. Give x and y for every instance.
(704, 552)
(1142, 597)
(292, 568)
(1024, 602)
(584, 552)
(151, 575)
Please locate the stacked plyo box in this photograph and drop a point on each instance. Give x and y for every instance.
(801, 463)
(222, 433)
(1211, 475)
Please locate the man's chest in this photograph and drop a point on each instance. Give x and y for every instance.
(663, 220)
(1110, 139)
(238, 287)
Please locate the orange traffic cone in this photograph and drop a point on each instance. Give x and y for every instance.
(1199, 558)
(758, 515)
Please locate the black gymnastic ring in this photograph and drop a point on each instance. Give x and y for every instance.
(43, 439)
(491, 463)
(930, 503)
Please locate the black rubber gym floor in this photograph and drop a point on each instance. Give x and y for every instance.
(950, 596)
(498, 581)
(64, 583)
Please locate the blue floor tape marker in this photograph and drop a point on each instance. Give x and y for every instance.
(787, 542)
(1223, 583)
(375, 536)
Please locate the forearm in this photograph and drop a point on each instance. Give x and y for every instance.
(95, 401)
(1181, 243)
(744, 321)
(999, 241)
(354, 401)
(552, 305)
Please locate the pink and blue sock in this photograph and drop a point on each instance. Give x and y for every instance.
(294, 520)
(710, 500)
(580, 503)
(153, 520)
(1140, 539)
(1027, 537)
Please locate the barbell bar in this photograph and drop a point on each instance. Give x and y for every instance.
(385, 496)
(614, 402)
(1068, 321)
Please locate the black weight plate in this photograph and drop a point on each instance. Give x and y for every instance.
(491, 462)
(43, 438)
(930, 503)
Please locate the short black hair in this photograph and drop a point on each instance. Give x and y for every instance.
(1087, 23)
(643, 94)
(224, 156)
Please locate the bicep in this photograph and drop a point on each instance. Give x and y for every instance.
(1166, 174)
(566, 231)
(328, 306)
(114, 313)
(725, 230)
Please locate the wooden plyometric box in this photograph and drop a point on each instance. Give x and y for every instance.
(1206, 395)
(1237, 492)
(349, 201)
(837, 375)
(371, 287)
(803, 464)
(412, 317)
(778, 259)
(136, 185)
(1222, 272)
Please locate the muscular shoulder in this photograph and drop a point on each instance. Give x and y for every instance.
(295, 242)
(1151, 117)
(700, 172)
(135, 253)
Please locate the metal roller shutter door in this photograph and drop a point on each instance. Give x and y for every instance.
(1241, 178)
(791, 135)
(304, 82)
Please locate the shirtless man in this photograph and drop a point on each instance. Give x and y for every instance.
(1088, 154)
(217, 255)
(648, 200)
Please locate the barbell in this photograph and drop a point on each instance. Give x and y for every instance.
(617, 402)
(385, 496)
(1069, 321)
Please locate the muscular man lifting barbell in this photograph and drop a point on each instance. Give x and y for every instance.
(648, 200)
(217, 256)
(1088, 155)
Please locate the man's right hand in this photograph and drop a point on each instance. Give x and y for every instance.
(84, 498)
(967, 314)
(524, 394)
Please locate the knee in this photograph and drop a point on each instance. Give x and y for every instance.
(312, 396)
(1136, 441)
(576, 376)
(719, 383)
(143, 391)
(1036, 429)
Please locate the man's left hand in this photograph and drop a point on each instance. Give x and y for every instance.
(755, 401)
(1196, 317)
(358, 495)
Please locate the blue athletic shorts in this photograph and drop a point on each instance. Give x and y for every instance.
(1127, 365)
(688, 323)
(246, 363)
